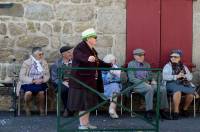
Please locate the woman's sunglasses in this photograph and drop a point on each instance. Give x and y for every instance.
(174, 57)
(40, 54)
(95, 37)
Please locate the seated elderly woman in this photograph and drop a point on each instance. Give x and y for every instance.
(111, 82)
(33, 76)
(177, 78)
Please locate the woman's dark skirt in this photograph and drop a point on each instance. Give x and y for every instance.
(79, 98)
(34, 88)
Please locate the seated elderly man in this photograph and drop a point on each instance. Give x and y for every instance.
(33, 76)
(65, 60)
(146, 88)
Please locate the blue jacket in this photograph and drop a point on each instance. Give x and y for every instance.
(108, 78)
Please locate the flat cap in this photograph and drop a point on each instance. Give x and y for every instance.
(65, 48)
(138, 51)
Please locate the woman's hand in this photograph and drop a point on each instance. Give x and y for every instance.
(91, 59)
(180, 75)
(37, 81)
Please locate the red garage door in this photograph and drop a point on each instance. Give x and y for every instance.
(158, 26)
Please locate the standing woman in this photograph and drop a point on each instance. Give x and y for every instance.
(177, 78)
(80, 98)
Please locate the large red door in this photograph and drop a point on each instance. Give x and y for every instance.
(176, 28)
(143, 29)
(158, 26)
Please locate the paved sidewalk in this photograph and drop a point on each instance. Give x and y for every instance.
(35, 123)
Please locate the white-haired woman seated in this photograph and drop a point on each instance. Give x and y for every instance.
(111, 82)
(33, 76)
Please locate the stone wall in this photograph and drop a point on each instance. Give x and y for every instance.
(196, 33)
(196, 40)
(54, 23)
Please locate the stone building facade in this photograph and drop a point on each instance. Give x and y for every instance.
(54, 23)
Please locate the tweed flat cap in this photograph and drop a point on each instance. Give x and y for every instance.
(138, 51)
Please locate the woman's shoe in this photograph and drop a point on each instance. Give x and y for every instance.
(28, 113)
(42, 113)
(149, 115)
(165, 115)
(113, 114)
(83, 127)
(91, 126)
(196, 95)
(88, 126)
(185, 113)
(175, 116)
(27, 110)
(65, 113)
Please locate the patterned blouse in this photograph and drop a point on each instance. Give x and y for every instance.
(34, 73)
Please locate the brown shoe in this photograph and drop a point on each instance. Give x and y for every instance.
(65, 113)
(42, 114)
(196, 95)
(27, 110)
(185, 113)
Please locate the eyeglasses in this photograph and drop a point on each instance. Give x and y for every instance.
(174, 57)
(40, 54)
(95, 37)
(140, 55)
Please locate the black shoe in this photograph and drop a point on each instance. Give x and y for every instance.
(71, 113)
(185, 113)
(165, 115)
(149, 115)
(175, 116)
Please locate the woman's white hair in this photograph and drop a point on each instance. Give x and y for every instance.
(109, 58)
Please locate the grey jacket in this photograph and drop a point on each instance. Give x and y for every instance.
(54, 74)
(167, 73)
(131, 73)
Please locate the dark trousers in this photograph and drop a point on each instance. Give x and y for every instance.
(64, 93)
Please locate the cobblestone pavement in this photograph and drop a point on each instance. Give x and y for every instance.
(35, 123)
